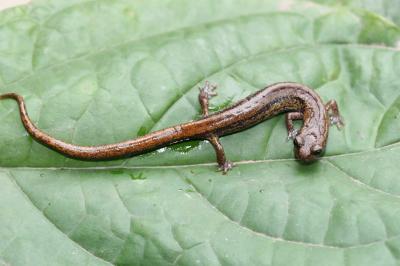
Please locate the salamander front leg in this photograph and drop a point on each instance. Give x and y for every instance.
(223, 163)
(206, 93)
(335, 118)
(292, 132)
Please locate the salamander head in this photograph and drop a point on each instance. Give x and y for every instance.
(308, 147)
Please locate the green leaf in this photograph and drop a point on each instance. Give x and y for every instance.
(97, 72)
(387, 8)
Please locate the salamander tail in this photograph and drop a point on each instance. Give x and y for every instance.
(12, 95)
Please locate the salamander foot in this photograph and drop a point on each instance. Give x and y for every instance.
(334, 115)
(206, 93)
(223, 163)
(225, 167)
(292, 134)
(336, 120)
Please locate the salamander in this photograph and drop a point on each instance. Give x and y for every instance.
(296, 100)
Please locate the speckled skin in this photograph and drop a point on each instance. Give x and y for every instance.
(263, 104)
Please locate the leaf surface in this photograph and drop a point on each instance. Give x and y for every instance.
(387, 8)
(96, 72)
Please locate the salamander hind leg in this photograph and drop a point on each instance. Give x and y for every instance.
(290, 117)
(206, 93)
(335, 118)
(223, 163)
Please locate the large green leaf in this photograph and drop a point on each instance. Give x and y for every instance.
(97, 72)
(387, 8)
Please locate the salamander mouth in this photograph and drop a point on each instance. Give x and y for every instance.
(306, 158)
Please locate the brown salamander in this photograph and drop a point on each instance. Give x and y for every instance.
(298, 101)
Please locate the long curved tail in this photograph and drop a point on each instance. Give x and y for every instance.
(103, 152)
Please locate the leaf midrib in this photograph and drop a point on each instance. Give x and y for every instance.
(172, 166)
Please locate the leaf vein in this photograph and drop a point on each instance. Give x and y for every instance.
(28, 198)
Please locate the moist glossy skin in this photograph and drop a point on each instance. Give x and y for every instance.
(263, 104)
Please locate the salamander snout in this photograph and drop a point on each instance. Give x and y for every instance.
(307, 149)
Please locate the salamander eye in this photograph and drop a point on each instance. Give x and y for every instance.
(317, 149)
(298, 141)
